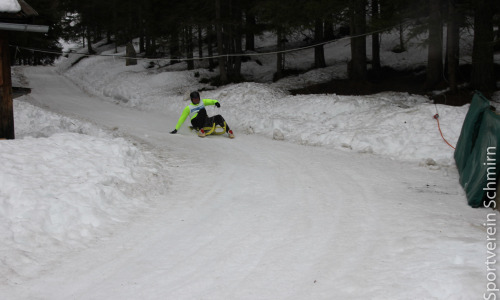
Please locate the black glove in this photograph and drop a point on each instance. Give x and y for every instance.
(217, 104)
(173, 131)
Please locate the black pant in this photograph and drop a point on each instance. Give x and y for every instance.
(202, 120)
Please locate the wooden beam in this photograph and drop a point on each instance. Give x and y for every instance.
(6, 105)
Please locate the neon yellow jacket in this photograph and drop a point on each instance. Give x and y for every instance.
(192, 111)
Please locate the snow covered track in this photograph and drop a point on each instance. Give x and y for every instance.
(253, 218)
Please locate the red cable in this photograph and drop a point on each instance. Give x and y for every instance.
(436, 116)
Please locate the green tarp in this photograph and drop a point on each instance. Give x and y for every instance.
(476, 153)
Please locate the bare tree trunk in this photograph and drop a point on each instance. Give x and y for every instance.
(280, 64)
(482, 77)
(89, 43)
(147, 43)
(211, 61)
(115, 24)
(174, 46)
(329, 29)
(452, 45)
(220, 43)
(189, 47)
(237, 16)
(319, 52)
(141, 30)
(153, 45)
(358, 44)
(376, 67)
(249, 35)
(435, 50)
(200, 42)
(228, 41)
(142, 42)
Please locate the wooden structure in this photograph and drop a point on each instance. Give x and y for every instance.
(12, 21)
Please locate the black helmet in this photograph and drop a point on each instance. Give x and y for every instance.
(194, 95)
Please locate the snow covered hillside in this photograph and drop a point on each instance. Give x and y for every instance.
(317, 197)
(398, 125)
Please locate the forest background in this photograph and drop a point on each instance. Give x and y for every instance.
(223, 32)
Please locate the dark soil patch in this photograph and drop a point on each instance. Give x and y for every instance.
(410, 81)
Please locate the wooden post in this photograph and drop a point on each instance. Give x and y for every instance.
(6, 105)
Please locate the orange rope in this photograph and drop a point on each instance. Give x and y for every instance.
(436, 116)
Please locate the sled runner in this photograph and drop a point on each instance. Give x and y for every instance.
(210, 130)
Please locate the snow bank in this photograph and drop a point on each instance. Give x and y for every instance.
(134, 86)
(62, 188)
(398, 125)
(31, 121)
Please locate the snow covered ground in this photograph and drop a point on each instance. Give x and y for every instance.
(318, 197)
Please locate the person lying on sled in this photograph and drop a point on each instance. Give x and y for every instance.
(198, 114)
